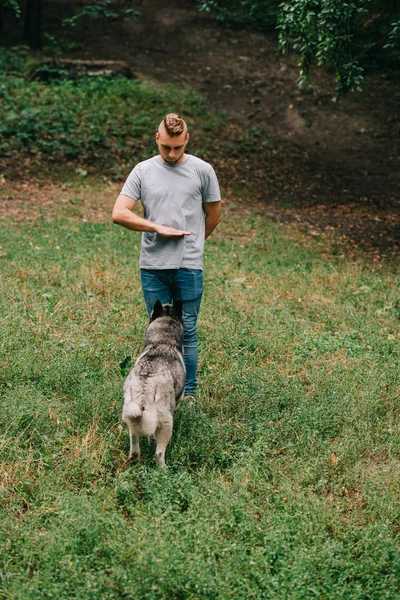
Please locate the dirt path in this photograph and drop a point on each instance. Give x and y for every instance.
(337, 166)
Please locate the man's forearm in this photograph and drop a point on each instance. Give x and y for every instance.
(128, 219)
(211, 224)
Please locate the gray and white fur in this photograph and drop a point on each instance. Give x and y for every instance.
(155, 386)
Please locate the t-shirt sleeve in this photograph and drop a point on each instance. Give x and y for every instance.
(211, 192)
(132, 186)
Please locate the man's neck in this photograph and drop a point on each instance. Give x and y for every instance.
(179, 162)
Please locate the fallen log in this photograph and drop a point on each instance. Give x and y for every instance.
(67, 68)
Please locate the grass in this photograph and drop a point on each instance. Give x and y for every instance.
(282, 480)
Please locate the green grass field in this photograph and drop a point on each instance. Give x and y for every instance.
(283, 480)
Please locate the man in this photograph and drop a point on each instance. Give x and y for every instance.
(182, 206)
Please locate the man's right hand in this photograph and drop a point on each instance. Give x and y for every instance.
(123, 215)
(170, 232)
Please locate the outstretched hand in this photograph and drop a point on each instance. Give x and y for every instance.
(171, 232)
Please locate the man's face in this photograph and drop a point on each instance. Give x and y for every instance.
(171, 148)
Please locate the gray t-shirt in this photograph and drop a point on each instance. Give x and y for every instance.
(173, 195)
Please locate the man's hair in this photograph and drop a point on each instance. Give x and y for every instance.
(174, 124)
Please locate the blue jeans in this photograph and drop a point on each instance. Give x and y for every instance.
(178, 284)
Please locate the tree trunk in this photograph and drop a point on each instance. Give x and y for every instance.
(1, 15)
(33, 24)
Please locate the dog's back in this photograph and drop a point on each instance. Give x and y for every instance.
(155, 385)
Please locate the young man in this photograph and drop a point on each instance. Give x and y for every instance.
(182, 206)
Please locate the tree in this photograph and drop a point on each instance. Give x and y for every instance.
(8, 5)
(33, 24)
(30, 11)
(346, 37)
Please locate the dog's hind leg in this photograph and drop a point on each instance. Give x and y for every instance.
(134, 450)
(163, 435)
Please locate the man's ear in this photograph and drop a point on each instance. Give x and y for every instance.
(157, 311)
(177, 309)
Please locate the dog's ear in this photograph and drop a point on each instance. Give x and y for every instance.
(157, 311)
(177, 309)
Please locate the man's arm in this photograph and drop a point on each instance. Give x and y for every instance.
(213, 212)
(122, 215)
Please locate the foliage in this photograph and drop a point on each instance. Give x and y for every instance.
(244, 12)
(29, 14)
(96, 120)
(98, 9)
(283, 478)
(103, 9)
(14, 6)
(15, 62)
(346, 37)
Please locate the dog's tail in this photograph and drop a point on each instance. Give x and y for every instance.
(140, 419)
(132, 411)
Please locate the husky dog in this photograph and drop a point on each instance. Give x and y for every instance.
(154, 387)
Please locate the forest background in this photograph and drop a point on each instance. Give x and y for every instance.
(283, 477)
